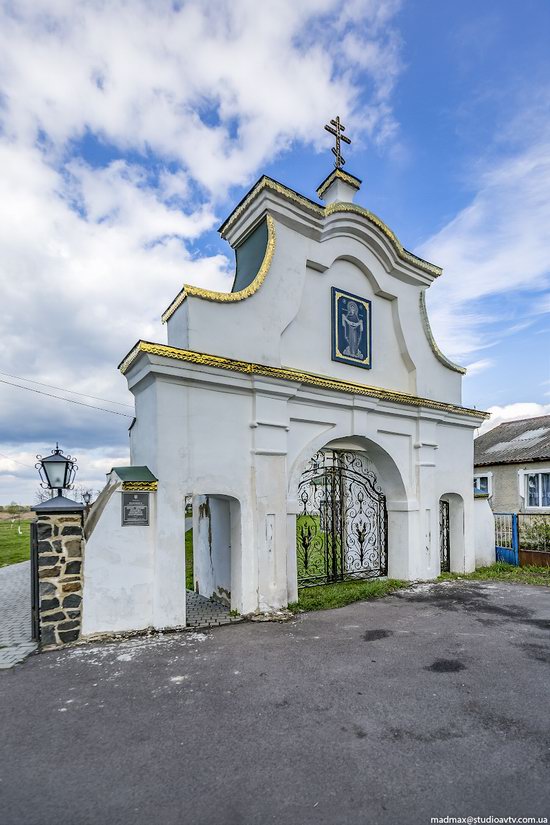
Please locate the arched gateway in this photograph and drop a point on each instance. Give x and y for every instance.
(341, 529)
(308, 413)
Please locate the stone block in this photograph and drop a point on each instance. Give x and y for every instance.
(49, 604)
(44, 531)
(73, 614)
(48, 636)
(69, 636)
(49, 572)
(71, 531)
(71, 587)
(45, 561)
(73, 567)
(47, 589)
(70, 625)
(73, 548)
(45, 546)
(57, 545)
(52, 617)
(72, 600)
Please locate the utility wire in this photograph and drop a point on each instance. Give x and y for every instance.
(73, 392)
(70, 400)
(28, 466)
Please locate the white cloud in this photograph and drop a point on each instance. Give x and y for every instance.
(19, 480)
(479, 366)
(513, 412)
(146, 76)
(182, 101)
(497, 244)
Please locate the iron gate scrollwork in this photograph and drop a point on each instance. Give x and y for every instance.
(341, 530)
(444, 536)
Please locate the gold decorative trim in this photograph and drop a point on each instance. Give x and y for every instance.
(144, 486)
(230, 297)
(430, 336)
(291, 374)
(325, 211)
(341, 175)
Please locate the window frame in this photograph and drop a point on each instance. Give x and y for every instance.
(489, 476)
(540, 471)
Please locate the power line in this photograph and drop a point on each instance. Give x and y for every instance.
(63, 389)
(28, 466)
(69, 400)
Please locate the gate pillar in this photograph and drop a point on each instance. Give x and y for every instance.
(58, 571)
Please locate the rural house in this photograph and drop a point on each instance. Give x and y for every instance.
(512, 466)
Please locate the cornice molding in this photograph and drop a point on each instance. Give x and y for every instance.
(291, 374)
(144, 486)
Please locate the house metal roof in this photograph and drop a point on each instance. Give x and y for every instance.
(514, 442)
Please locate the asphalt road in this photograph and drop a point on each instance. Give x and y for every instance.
(432, 702)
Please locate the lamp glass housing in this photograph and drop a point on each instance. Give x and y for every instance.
(56, 469)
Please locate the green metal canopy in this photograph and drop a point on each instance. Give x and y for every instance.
(134, 473)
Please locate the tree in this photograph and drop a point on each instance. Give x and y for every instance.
(42, 495)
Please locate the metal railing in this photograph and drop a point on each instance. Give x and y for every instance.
(517, 533)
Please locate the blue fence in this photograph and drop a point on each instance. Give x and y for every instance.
(523, 538)
(507, 538)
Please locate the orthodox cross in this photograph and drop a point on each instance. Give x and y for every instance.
(336, 128)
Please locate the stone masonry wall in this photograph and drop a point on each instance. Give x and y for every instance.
(60, 578)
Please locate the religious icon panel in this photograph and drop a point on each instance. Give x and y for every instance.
(351, 329)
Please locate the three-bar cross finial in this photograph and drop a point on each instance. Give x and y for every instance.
(336, 128)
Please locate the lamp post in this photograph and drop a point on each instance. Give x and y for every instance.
(56, 555)
(86, 498)
(57, 471)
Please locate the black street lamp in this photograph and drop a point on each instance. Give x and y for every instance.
(57, 471)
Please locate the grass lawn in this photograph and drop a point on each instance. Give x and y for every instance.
(504, 573)
(189, 583)
(326, 596)
(14, 547)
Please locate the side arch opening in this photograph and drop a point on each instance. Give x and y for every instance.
(214, 587)
(451, 532)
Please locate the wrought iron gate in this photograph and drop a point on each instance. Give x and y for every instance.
(35, 620)
(341, 530)
(444, 536)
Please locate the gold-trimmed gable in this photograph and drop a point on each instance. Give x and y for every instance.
(324, 211)
(229, 297)
(291, 374)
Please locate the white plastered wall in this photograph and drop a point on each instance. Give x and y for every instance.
(118, 570)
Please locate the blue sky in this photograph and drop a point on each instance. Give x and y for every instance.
(128, 132)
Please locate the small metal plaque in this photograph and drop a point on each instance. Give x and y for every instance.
(135, 509)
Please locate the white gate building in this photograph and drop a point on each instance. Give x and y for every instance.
(309, 413)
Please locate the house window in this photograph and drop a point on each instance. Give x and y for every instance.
(482, 485)
(537, 489)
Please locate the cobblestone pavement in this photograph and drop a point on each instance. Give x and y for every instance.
(15, 614)
(203, 612)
